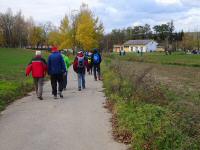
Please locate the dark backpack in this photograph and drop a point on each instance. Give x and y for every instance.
(96, 58)
(80, 62)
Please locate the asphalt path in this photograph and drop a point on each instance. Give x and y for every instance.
(77, 122)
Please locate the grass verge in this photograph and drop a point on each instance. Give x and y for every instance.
(148, 113)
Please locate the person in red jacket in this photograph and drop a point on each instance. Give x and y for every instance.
(79, 66)
(38, 67)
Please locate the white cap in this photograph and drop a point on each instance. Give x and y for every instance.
(38, 53)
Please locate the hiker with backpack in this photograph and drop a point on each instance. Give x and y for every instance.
(56, 70)
(79, 66)
(38, 67)
(96, 61)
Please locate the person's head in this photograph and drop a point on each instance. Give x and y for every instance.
(38, 53)
(95, 50)
(80, 53)
(54, 49)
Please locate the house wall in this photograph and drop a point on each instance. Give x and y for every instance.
(126, 48)
(152, 46)
(117, 48)
(136, 48)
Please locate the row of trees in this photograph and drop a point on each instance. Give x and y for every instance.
(164, 34)
(81, 30)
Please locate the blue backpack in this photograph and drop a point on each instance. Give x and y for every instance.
(96, 58)
(80, 62)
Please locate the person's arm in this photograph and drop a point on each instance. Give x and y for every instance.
(100, 58)
(75, 64)
(92, 59)
(67, 62)
(86, 62)
(44, 66)
(63, 66)
(29, 68)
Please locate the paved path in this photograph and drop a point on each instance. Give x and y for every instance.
(77, 122)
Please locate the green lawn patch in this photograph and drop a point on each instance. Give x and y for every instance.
(177, 58)
(13, 82)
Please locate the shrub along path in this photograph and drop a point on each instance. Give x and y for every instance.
(77, 122)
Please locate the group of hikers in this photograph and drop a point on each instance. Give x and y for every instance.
(57, 68)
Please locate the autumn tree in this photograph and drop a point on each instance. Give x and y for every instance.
(65, 33)
(89, 29)
(47, 28)
(54, 38)
(36, 36)
(188, 42)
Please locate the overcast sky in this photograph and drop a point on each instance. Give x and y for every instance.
(114, 13)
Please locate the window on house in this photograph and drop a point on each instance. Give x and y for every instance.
(131, 48)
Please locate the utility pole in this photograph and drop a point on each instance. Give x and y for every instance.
(198, 39)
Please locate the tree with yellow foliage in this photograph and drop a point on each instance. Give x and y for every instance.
(65, 33)
(54, 38)
(89, 31)
(84, 31)
(36, 36)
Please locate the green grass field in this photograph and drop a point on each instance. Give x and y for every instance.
(156, 99)
(177, 58)
(13, 82)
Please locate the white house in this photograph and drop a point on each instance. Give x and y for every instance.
(138, 45)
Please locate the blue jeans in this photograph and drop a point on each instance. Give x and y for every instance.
(81, 80)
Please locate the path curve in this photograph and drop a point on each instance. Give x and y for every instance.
(77, 122)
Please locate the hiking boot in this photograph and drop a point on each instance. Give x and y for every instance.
(61, 96)
(40, 98)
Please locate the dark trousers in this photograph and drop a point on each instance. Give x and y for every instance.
(97, 70)
(57, 78)
(89, 69)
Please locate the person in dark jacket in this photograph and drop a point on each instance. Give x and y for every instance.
(38, 67)
(56, 69)
(96, 61)
(79, 66)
